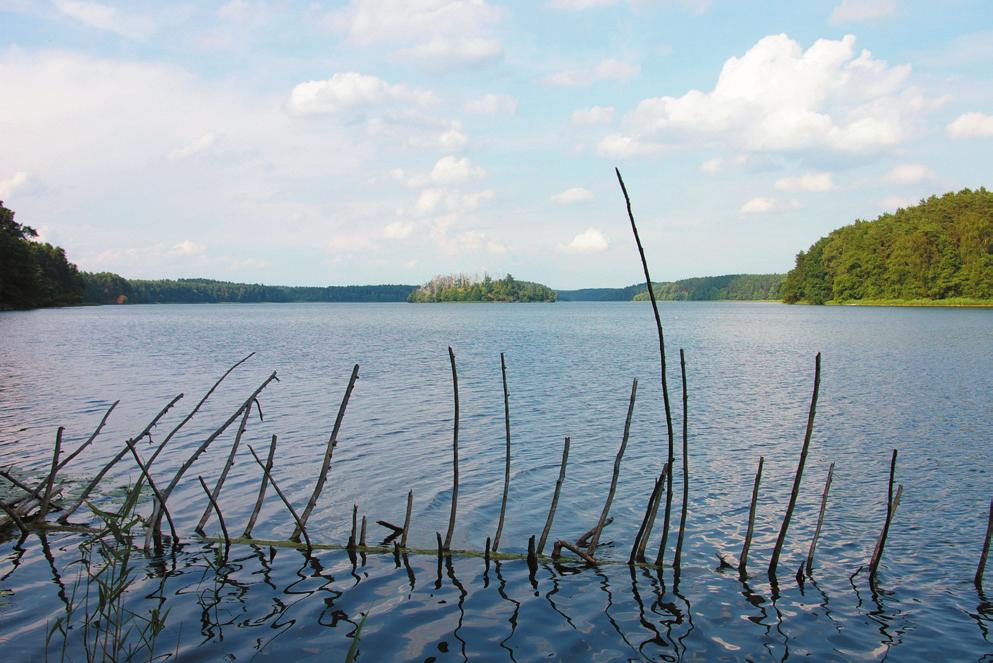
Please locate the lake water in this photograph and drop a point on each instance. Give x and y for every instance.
(920, 380)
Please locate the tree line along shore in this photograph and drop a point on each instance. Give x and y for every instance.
(939, 252)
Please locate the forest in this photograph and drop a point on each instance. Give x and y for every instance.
(465, 288)
(940, 249)
(736, 287)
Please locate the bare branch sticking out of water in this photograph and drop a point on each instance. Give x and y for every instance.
(455, 454)
(743, 558)
(591, 550)
(555, 498)
(820, 520)
(986, 551)
(282, 497)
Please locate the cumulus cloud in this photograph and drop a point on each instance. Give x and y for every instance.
(590, 240)
(189, 248)
(606, 69)
(105, 17)
(780, 97)
(451, 170)
(398, 230)
(351, 90)
(572, 196)
(492, 104)
(620, 146)
(15, 182)
(909, 173)
(443, 52)
(377, 21)
(971, 125)
(849, 11)
(199, 145)
(592, 115)
(763, 205)
(718, 164)
(806, 182)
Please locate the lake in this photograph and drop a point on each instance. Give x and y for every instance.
(920, 380)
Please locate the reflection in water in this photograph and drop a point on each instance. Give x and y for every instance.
(311, 602)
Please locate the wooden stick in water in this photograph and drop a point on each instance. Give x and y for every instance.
(16, 519)
(215, 493)
(677, 558)
(665, 383)
(455, 455)
(743, 558)
(586, 557)
(591, 550)
(354, 536)
(79, 449)
(362, 533)
(262, 490)
(506, 467)
(282, 497)
(532, 557)
(328, 453)
(406, 519)
(644, 531)
(653, 511)
(155, 492)
(584, 540)
(217, 510)
(781, 539)
(986, 551)
(877, 554)
(113, 461)
(555, 498)
(820, 520)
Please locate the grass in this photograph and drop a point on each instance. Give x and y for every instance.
(951, 302)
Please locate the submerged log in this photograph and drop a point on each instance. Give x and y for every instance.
(781, 539)
(555, 498)
(582, 554)
(595, 540)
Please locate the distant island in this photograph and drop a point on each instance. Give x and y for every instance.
(939, 252)
(463, 288)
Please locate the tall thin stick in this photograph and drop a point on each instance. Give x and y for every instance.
(555, 498)
(362, 532)
(677, 558)
(113, 461)
(282, 497)
(617, 471)
(820, 520)
(455, 455)
(155, 492)
(644, 531)
(406, 519)
(217, 510)
(262, 489)
(986, 550)
(215, 493)
(328, 453)
(651, 521)
(506, 466)
(877, 554)
(81, 447)
(665, 383)
(774, 561)
(743, 558)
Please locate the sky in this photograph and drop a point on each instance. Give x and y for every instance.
(387, 141)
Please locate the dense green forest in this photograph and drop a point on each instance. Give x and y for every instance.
(600, 294)
(463, 288)
(107, 288)
(736, 287)
(33, 274)
(939, 249)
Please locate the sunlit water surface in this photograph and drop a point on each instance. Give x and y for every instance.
(920, 380)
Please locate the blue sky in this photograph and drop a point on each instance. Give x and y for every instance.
(377, 141)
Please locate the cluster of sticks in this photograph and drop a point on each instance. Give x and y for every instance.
(33, 507)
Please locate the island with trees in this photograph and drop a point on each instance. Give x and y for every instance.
(466, 288)
(939, 252)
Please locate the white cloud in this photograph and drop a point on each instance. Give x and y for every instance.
(105, 17)
(189, 248)
(909, 173)
(718, 164)
(199, 145)
(377, 21)
(606, 69)
(806, 182)
(444, 52)
(693, 6)
(971, 125)
(398, 230)
(848, 11)
(762, 205)
(350, 90)
(492, 104)
(592, 115)
(896, 202)
(450, 170)
(576, 5)
(15, 182)
(779, 97)
(573, 195)
(620, 146)
(590, 240)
